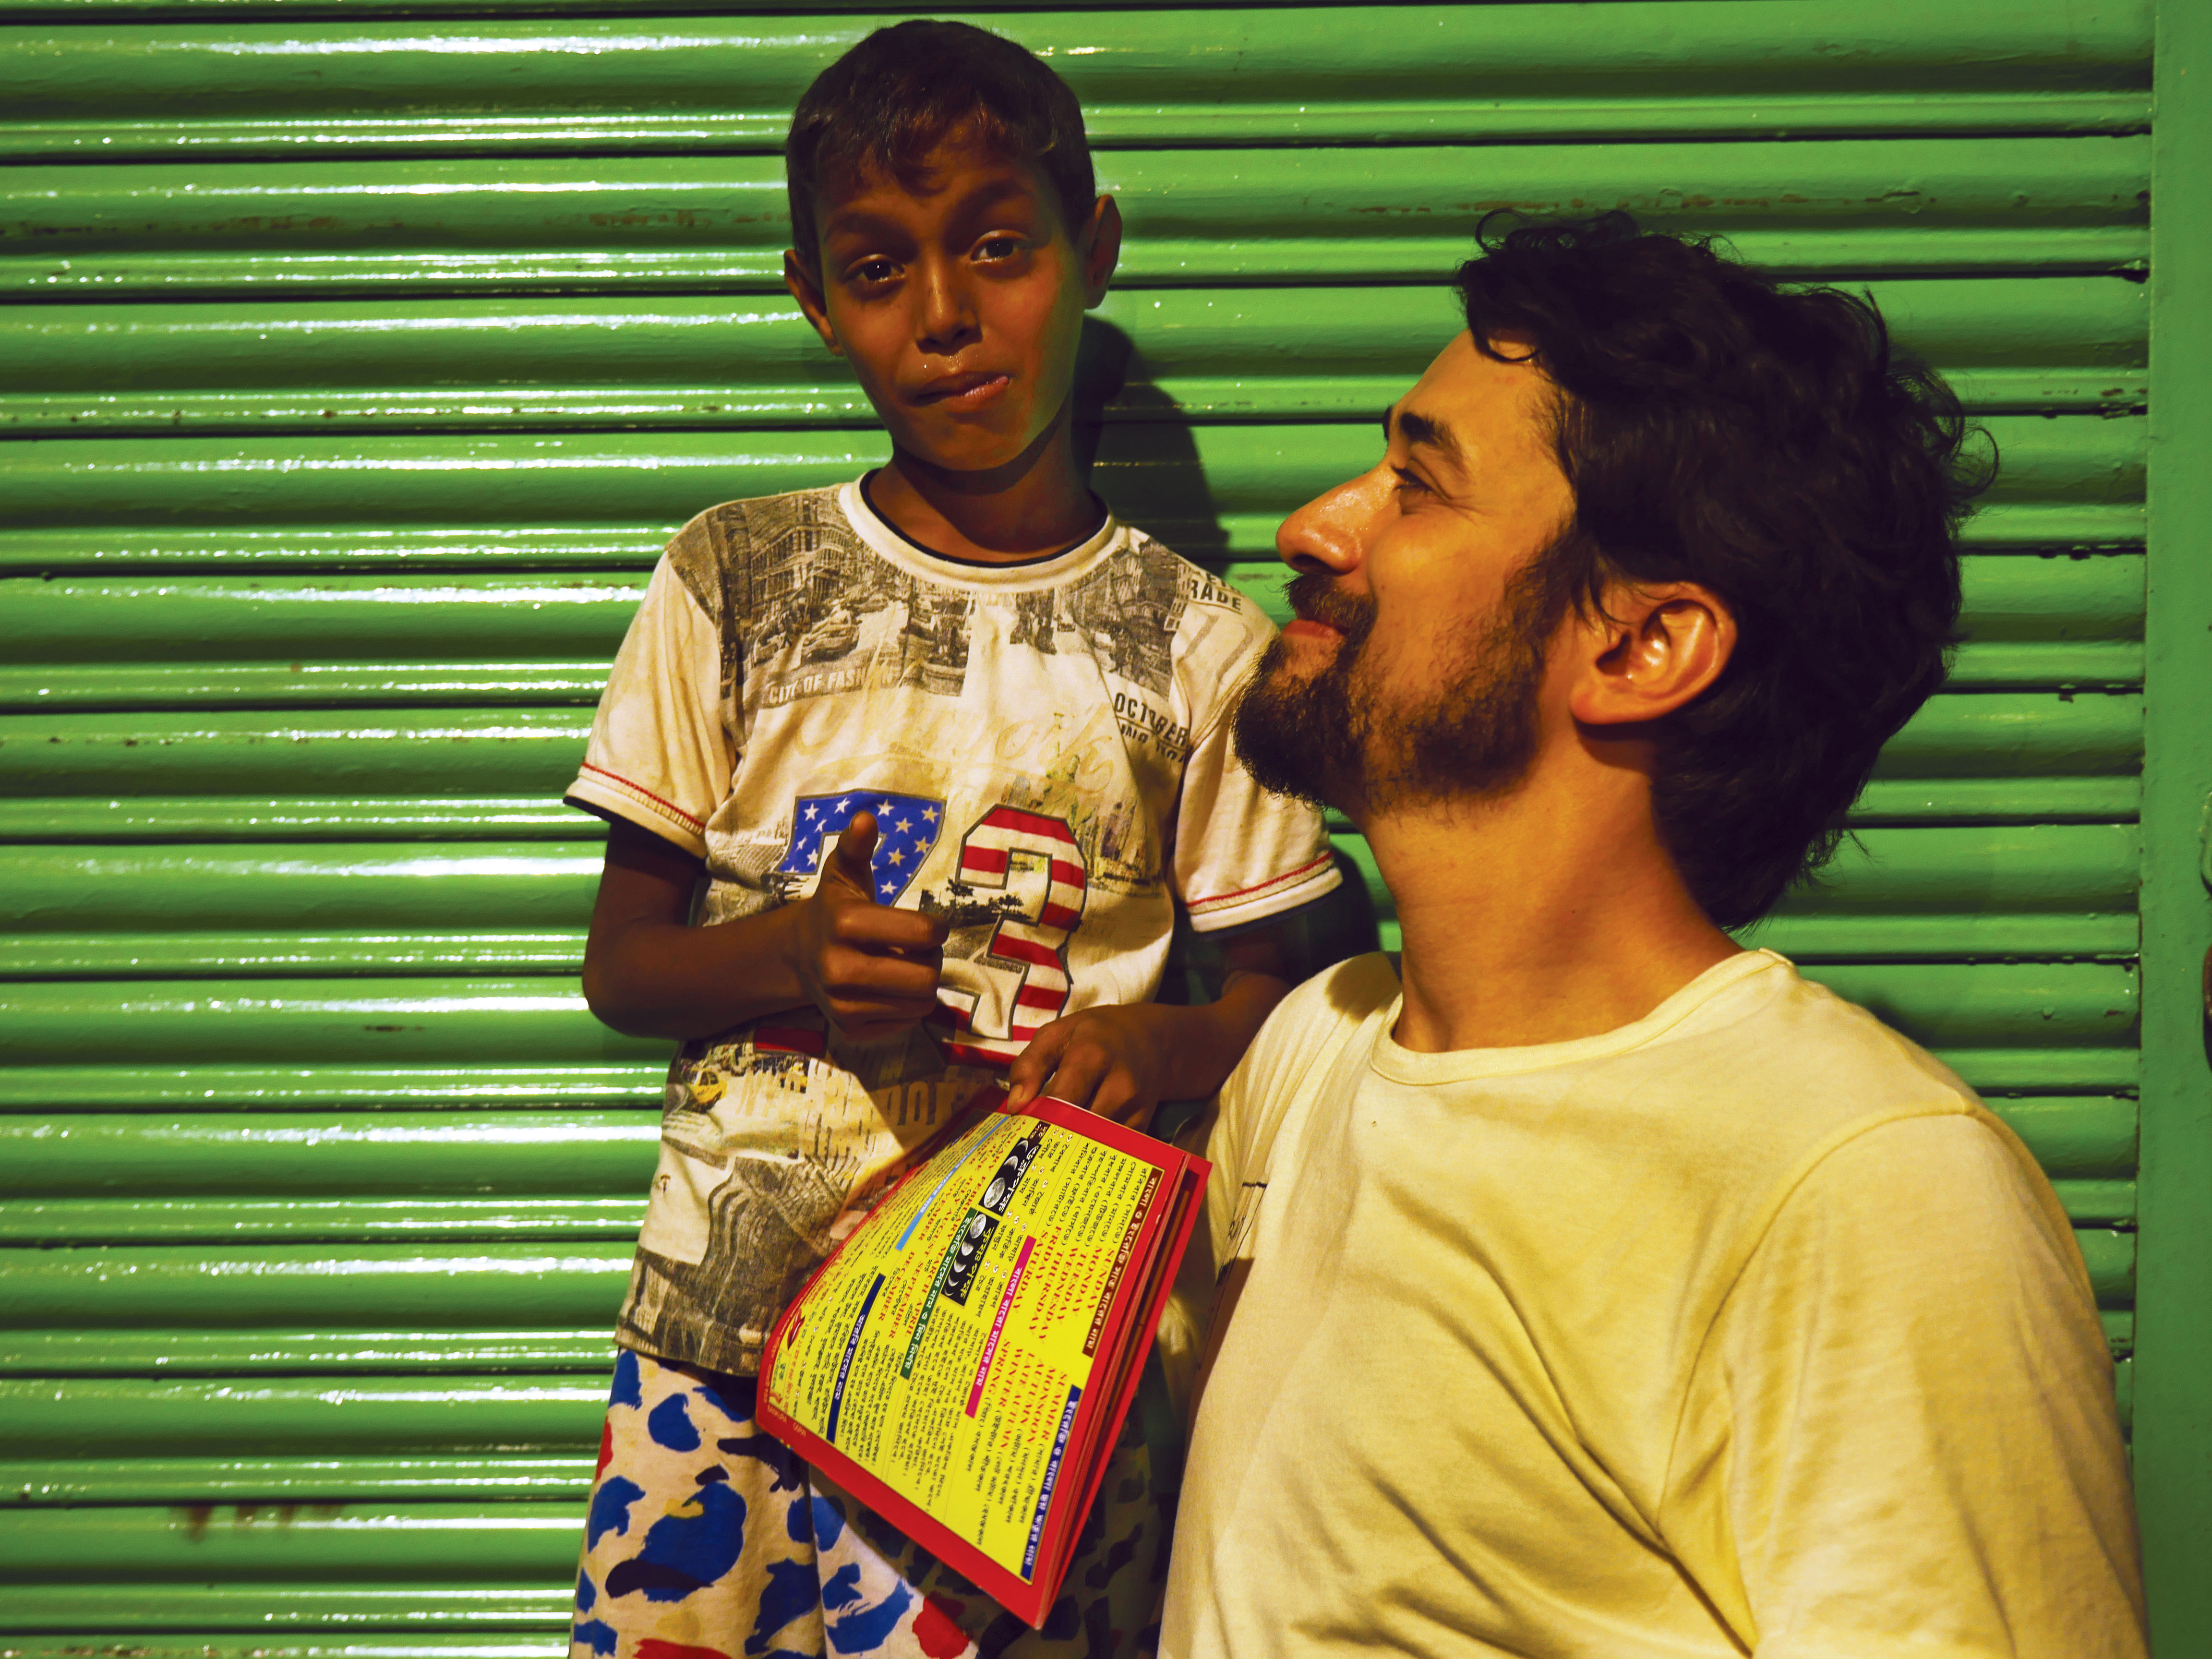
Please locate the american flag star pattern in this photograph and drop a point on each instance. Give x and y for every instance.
(907, 827)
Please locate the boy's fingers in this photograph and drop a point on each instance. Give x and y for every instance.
(1078, 1077)
(1034, 1066)
(851, 861)
(868, 1022)
(1119, 1098)
(851, 868)
(880, 927)
(860, 975)
(861, 1010)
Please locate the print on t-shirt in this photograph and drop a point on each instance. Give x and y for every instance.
(854, 619)
(857, 621)
(1017, 945)
(1015, 899)
(1125, 613)
(906, 829)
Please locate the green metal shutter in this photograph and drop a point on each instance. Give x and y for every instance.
(354, 360)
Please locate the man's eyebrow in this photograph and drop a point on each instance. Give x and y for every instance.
(1424, 433)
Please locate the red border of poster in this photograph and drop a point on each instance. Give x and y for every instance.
(1127, 1333)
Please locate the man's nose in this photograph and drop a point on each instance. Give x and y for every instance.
(1330, 532)
(946, 319)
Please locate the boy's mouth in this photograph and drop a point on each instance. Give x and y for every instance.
(962, 392)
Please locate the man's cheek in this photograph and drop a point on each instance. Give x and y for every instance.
(1368, 670)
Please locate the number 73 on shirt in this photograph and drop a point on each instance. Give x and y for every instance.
(1018, 872)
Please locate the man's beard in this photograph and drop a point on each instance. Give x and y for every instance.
(1332, 740)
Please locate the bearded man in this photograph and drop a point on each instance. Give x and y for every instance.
(1591, 1285)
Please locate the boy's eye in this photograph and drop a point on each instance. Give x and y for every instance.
(998, 247)
(871, 272)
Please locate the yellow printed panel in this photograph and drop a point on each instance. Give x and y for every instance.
(946, 1347)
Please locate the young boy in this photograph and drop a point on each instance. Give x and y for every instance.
(947, 745)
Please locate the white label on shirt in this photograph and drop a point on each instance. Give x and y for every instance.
(676, 1221)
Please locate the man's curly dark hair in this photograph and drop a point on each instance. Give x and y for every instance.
(1770, 445)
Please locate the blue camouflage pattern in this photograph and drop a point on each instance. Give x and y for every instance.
(707, 1538)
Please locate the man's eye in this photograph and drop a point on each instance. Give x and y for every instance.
(1409, 484)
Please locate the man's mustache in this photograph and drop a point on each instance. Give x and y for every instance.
(1315, 597)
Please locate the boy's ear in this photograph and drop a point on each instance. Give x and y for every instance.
(1099, 246)
(808, 292)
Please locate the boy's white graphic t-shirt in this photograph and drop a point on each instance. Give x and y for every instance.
(1045, 747)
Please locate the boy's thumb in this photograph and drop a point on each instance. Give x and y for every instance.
(853, 860)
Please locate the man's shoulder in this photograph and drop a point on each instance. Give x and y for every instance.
(1825, 1046)
(1291, 1059)
(1777, 1071)
(725, 541)
(1306, 1029)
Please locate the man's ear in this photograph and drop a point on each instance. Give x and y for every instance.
(1099, 248)
(807, 291)
(1651, 651)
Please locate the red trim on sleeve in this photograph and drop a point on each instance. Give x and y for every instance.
(697, 824)
(1272, 881)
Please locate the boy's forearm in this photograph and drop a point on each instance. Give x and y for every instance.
(1209, 1040)
(1262, 962)
(673, 979)
(870, 969)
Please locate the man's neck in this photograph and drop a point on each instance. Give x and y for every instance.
(1536, 919)
(1036, 504)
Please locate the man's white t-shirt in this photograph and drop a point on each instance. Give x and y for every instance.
(1045, 748)
(1744, 1328)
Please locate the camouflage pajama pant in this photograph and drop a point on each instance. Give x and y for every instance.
(707, 1539)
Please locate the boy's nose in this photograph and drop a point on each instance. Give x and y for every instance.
(946, 319)
(1330, 532)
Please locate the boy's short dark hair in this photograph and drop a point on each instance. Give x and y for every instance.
(892, 98)
(1770, 445)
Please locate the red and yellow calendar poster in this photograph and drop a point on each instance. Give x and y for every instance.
(964, 1362)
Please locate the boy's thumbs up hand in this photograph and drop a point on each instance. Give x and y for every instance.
(871, 969)
(852, 861)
